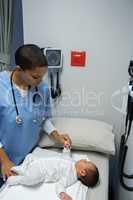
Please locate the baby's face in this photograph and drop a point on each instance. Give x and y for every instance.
(83, 165)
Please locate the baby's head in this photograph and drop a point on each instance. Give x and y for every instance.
(87, 172)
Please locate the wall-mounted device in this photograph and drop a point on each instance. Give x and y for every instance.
(55, 63)
(55, 87)
(54, 57)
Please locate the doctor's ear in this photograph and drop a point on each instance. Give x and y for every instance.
(18, 68)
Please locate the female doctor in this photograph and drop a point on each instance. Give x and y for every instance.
(24, 108)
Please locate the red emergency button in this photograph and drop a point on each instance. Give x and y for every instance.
(78, 58)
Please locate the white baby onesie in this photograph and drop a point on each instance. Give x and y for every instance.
(35, 170)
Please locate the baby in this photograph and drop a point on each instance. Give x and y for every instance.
(61, 170)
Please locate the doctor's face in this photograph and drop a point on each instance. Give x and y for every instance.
(33, 77)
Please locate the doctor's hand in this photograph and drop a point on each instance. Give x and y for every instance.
(63, 139)
(66, 140)
(6, 169)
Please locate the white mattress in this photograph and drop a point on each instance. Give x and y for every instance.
(47, 191)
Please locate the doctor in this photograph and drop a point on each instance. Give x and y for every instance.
(24, 108)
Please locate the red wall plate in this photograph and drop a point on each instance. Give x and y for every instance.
(78, 58)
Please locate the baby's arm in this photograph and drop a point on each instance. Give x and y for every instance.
(66, 153)
(61, 186)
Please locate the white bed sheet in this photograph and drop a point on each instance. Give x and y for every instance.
(47, 191)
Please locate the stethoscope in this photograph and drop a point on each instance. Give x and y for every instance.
(19, 119)
(55, 92)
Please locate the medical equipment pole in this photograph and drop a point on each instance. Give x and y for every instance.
(125, 136)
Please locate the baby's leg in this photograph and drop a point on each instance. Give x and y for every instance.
(20, 169)
(33, 175)
(22, 180)
(14, 180)
(28, 159)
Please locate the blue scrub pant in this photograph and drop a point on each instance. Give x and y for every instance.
(1, 182)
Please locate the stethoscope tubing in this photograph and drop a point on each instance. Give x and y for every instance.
(18, 118)
(13, 93)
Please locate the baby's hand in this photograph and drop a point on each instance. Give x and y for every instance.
(67, 145)
(65, 196)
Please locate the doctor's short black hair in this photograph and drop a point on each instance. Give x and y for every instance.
(29, 56)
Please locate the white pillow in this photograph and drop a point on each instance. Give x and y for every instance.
(85, 135)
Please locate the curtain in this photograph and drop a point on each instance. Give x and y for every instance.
(17, 32)
(6, 23)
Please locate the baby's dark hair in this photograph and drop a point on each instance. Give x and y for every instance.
(91, 178)
(29, 56)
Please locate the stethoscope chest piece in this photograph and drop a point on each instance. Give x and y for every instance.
(19, 120)
(34, 121)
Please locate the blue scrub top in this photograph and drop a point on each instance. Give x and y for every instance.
(19, 139)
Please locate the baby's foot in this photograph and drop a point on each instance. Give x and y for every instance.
(13, 180)
(18, 170)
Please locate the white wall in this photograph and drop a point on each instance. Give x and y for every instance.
(103, 28)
